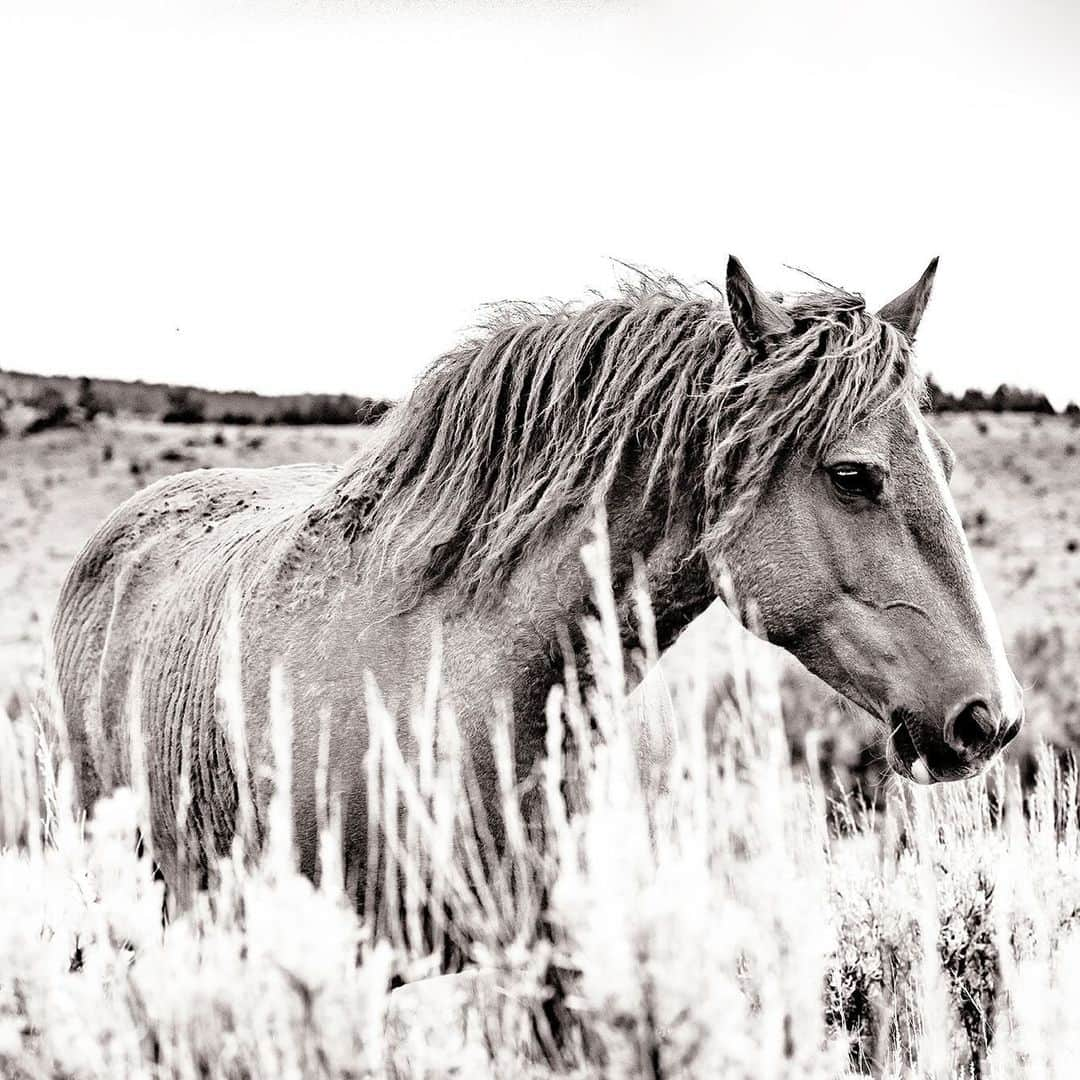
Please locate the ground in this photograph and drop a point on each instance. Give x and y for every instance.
(1016, 485)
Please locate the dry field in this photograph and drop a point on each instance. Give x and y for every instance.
(1017, 486)
(736, 924)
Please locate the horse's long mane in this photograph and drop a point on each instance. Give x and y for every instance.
(532, 420)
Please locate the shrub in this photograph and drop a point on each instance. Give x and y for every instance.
(184, 406)
(53, 411)
(173, 455)
(91, 402)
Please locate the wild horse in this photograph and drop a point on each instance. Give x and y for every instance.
(784, 439)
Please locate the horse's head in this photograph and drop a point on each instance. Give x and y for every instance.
(858, 564)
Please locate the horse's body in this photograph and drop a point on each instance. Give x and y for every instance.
(465, 519)
(153, 593)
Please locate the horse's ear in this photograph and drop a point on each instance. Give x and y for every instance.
(754, 316)
(906, 311)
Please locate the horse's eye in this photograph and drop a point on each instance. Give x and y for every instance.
(853, 480)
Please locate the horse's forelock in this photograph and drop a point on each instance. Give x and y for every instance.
(533, 418)
(839, 368)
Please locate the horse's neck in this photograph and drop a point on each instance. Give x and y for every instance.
(647, 540)
(550, 591)
(554, 590)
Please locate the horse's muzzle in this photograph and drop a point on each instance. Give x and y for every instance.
(968, 740)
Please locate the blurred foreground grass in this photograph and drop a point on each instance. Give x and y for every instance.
(709, 908)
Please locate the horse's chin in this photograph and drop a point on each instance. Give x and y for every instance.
(903, 755)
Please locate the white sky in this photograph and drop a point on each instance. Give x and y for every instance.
(320, 196)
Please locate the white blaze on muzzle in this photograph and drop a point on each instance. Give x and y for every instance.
(1007, 688)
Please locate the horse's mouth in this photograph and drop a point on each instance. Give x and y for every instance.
(903, 754)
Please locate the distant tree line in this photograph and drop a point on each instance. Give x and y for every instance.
(62, 402)
(1005, 398)
(188, 406)
(340, 409)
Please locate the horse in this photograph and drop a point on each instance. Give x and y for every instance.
(780, 437)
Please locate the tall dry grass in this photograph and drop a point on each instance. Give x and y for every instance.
(706, 908)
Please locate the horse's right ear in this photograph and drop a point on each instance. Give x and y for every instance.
(754, 316)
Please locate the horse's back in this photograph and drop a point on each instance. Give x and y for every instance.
(145, 594)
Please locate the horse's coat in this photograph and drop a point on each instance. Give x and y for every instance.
(707, 431)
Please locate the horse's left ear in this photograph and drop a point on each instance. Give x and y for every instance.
(906, 311)
(754, 316)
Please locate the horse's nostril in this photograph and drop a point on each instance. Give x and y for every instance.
(972, 728)
(1012, 730)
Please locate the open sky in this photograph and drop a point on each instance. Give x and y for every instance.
(320, 196)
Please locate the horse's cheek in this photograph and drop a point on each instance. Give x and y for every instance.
(781, 576)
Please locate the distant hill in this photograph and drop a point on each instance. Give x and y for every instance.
(165, 401)
(60, 399)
